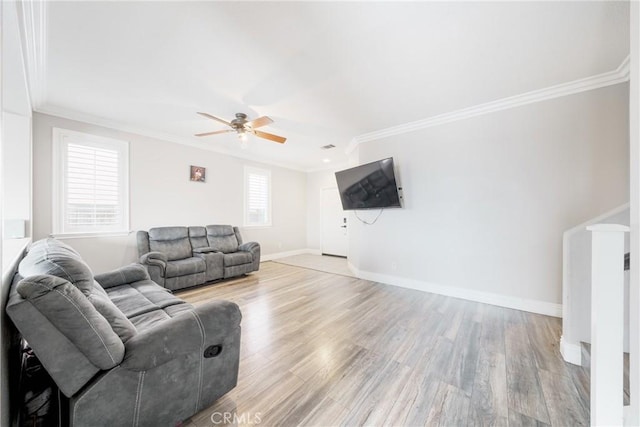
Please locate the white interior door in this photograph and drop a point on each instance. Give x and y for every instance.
(334, 224)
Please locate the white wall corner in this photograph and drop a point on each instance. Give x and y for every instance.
(353, 144)
(533, 306)
(353, 268)
(624, 69)
(571, 352)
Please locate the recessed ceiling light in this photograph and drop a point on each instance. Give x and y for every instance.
(326, 160)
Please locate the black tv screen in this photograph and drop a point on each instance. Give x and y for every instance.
(369, 186)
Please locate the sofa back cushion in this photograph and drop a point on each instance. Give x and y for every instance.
(172, 241)
(222, 238)
(70, 312)
(55, 258)
(198, 237)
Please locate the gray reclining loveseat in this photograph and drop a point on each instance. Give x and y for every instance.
(180, 257)
(124, 350)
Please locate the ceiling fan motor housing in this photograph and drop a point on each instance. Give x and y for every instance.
(239, 122)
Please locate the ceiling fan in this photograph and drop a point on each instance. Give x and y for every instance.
(242, 127)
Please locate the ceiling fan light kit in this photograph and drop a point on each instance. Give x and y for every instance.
(241, 125)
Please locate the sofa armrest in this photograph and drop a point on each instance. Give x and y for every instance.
(252, 247)
(154, 258)
(122, 276)
(156, 265)
(204, 250)
(208, 324)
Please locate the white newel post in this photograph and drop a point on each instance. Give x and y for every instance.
(607, 307)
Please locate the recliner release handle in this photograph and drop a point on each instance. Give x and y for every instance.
(212, 351)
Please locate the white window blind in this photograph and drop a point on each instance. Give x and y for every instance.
(91, 183)
(257, 197)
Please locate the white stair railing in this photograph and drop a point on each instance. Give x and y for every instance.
(607, 323)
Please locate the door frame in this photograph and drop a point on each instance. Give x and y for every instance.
(322, 219)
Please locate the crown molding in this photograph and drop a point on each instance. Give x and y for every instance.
(619, 75)
(118, 126)
(33, 26)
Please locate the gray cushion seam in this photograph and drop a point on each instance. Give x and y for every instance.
(203, 335)
(82, 314)
(136, 413)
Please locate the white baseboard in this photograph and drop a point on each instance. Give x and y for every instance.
(534, 306)
(571, 352)
(271, 257)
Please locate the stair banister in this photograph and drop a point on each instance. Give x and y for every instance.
(607, 307)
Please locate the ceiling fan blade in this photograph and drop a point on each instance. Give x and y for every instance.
(259, 122)
(270, 136)
(209, 116)
(214, 132)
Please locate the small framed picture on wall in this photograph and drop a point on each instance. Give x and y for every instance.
(197, 173)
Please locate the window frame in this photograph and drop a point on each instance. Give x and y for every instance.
(60, 140)
(248, 171)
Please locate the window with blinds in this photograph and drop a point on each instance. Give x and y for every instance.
(91, 183)
(257, 197)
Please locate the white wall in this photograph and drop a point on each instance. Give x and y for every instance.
(632, 416)
(15, 178)
(488, 198)
(161, 194)
(16, 121)
(16, 166)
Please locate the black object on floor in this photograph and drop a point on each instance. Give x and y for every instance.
(39, 396)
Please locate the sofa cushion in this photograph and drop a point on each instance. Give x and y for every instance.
(172, 241)
(153, 318)
(184, 267)
(222, 238)
(146, 304)
(141, 297)
(237, 258)
(116, 318)
(53, 257)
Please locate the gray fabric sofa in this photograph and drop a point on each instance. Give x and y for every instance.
(180, 257)
(123, 349)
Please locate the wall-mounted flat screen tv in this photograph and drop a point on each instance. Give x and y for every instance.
(369, 186)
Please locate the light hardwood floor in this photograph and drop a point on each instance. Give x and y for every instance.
(320, 349)
(326, 263)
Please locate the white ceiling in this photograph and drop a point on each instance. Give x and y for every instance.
(326, 72)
